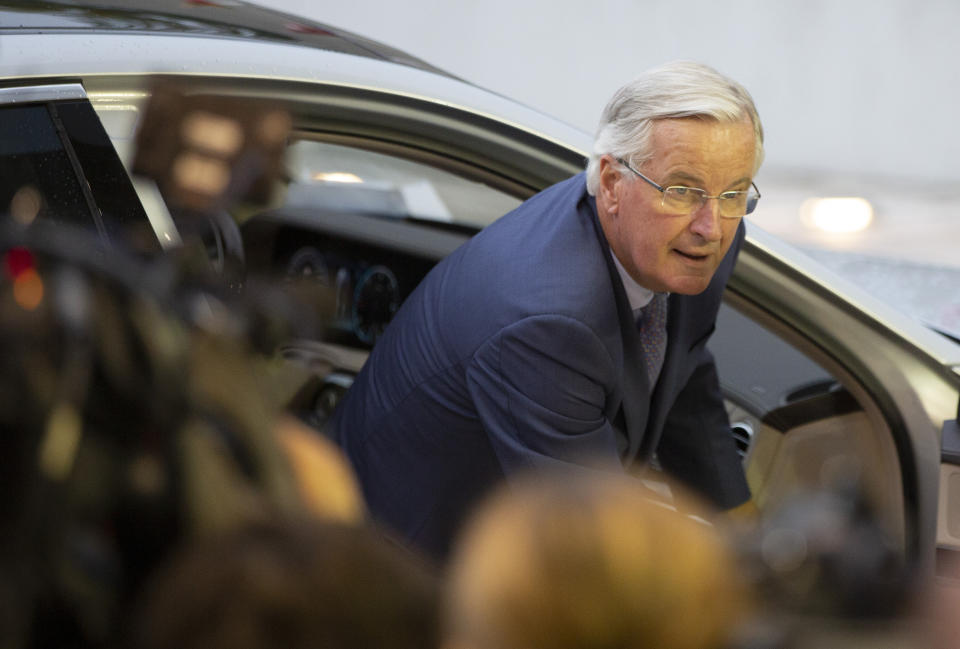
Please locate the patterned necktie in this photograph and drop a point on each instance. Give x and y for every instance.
(652, 324)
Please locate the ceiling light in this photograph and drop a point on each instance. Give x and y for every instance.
(837, 215)
(337, 177)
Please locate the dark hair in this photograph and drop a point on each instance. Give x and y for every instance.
(290, 584)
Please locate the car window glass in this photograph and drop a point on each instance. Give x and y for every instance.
(37, 179)
(760, 370)
(797, 426)
(352, 179)
(759, 373)
(119, 116)
(122, 214)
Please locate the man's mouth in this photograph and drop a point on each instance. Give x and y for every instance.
(691, 256)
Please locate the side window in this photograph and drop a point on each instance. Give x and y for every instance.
(359, 230)
(364, 227)
(37, 178)
(798, 427)
(57, 164)
(120, 210)
(761, 373)
(357, 179)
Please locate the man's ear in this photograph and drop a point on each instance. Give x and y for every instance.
(608, 187)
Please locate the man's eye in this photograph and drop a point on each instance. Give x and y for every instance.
(681, 191)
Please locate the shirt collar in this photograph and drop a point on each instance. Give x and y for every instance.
(638, 296)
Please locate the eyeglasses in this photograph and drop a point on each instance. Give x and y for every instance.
(678, 199)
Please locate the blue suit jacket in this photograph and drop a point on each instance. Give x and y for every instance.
(520, 350)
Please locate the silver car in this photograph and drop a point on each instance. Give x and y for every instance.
(392, 164)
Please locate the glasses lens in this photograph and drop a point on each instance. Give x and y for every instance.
(686, 200)
(733, 205)
(682, 200)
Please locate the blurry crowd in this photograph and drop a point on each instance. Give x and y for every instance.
(155, 496)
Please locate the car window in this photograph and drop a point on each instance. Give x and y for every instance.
(759, 370)
(121, 213)
(354, 179)
(37, 178)
(798, 427)
(57, 164)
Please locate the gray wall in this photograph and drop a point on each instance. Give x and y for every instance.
(861, 87)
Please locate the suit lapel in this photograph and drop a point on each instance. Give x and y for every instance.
(631, 420)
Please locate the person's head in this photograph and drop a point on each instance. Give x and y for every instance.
(680, 125)
(589, 563)
(326, 482)
(291, 584)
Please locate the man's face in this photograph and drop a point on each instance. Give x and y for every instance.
(666, 252)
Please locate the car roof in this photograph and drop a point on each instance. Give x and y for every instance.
(66, 40)
(229, 19)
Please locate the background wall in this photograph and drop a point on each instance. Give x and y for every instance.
(850, 86)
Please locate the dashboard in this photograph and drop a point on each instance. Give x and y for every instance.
(367, 284)
(366, 264)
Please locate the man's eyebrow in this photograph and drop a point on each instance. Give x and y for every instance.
(746, 180)
(683, 177)
(695, 182)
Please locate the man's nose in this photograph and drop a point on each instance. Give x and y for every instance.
(706, 220)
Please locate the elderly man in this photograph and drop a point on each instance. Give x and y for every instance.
(572, 331)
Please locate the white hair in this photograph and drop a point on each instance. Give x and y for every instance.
(673, 90)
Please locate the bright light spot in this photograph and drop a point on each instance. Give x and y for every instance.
(97, 97)
(126, 108)
(337, 177)
(212, 133)
(26, 204)
(202, 174)
(28, 290)
(837, 215)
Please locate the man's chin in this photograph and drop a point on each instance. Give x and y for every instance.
(689, 285)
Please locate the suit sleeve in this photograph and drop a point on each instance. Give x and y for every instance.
(540, 387)
(697, 448)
